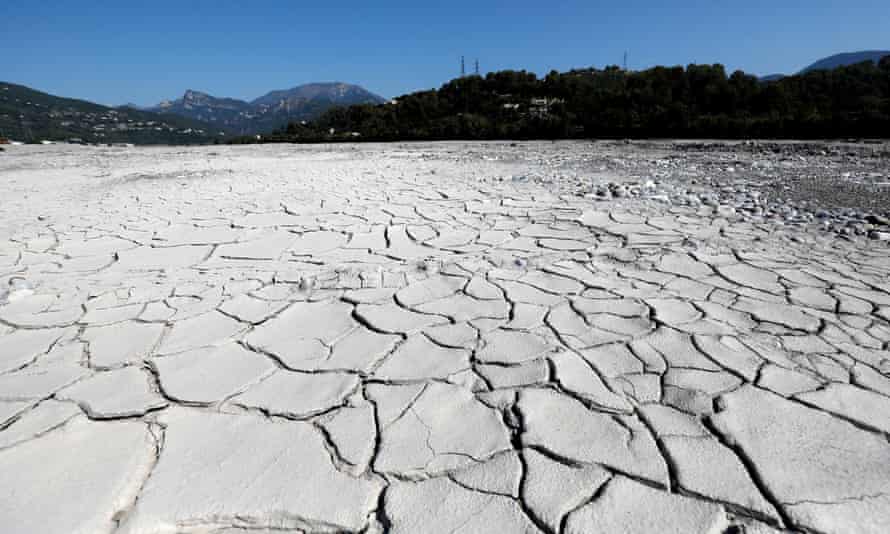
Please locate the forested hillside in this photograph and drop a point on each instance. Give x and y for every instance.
(695, 101)
(30, 115)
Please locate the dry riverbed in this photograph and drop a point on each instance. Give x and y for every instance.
(457, 337)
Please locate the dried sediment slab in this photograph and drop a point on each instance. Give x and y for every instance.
(435, 428)
(272, 475)
(36, 421)
(298, 395)
(565, 427)
(457, 509)
(89, 474)
(40, 381)
(121, 343)
(419, 358)
(552, 489)
(454, 337)
(126, 392)
(825, 472)
(22, 347)
(204, 330)
(628, 506)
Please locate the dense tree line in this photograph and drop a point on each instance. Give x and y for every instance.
(696, 101)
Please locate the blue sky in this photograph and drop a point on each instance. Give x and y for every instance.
(114, 52)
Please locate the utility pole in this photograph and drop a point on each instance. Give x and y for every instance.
(477, 67)
(625, 61)
(463, 70)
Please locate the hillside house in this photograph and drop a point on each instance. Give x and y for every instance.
(540, 107)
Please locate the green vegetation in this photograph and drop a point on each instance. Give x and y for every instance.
(696, 101)
(31, 116)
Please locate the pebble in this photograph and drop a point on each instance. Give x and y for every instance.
(877, 220)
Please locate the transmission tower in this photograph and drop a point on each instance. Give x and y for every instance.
(463, 70)
(625, 61)
(477, 67)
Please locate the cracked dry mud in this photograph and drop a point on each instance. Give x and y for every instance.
(395, 339)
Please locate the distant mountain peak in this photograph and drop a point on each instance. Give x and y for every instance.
(846, 58)
(132, 106)
(270, 111)
(191, 94)
(338, 93)
(772, 77)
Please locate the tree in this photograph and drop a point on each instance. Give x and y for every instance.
(698, 100)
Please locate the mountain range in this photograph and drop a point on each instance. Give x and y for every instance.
(30, 115)
(270, 111)
(835, 61)
(848, 58)
(27, 114)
